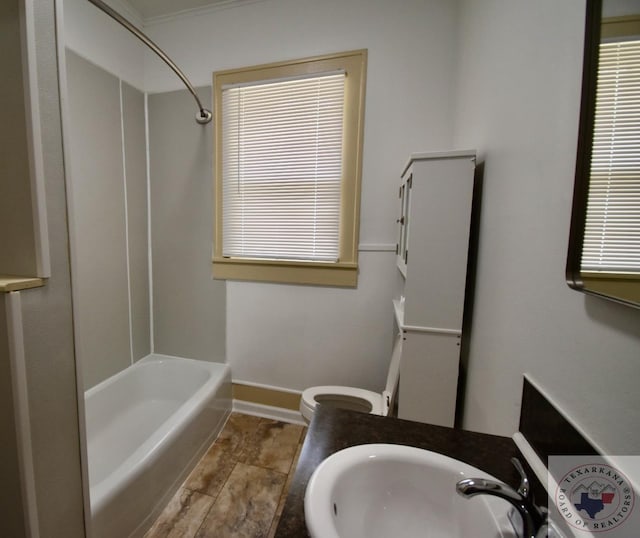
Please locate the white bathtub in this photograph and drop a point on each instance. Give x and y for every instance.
(146, 428)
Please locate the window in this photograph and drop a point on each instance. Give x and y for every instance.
(288, 164)
(612, 229)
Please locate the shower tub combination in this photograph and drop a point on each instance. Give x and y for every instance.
(147, 426)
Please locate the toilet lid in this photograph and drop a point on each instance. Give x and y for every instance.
(394, 366)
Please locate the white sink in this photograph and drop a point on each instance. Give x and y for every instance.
(397, 491)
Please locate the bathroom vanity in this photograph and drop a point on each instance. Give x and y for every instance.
(335, 429)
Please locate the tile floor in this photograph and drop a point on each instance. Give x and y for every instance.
(239, 486)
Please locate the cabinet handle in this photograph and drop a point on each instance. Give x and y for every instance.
(400, 220)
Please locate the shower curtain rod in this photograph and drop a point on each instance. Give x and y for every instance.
(203, 115)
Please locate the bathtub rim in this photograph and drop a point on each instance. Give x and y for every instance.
(152, 357)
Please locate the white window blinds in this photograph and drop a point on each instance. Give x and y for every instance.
(282, 168)
(612, 230)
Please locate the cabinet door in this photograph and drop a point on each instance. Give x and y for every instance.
(403, 222)
(438, 243)
(429, 378)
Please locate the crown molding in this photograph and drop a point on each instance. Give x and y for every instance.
(196, 11)
(126, 9)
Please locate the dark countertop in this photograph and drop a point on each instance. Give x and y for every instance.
(334, 429)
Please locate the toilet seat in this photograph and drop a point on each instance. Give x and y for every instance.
(352, 398)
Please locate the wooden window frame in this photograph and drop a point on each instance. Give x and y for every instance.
(344, 272)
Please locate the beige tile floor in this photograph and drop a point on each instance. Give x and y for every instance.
(239, 486)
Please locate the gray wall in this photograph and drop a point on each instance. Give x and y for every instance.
(109, 225)
(135, 145)
(188, 306)
(108, 191)
(48, 327)
(11, 507)
(17, 249)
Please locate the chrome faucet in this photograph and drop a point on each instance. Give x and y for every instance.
(534, 518)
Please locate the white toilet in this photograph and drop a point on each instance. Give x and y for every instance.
(353, 398)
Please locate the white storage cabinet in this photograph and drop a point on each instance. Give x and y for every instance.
(435, 193)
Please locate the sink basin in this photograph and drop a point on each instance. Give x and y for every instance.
(382, 490)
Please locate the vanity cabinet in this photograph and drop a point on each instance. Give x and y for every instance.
(435, 195)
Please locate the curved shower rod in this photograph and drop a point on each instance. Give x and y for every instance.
(203, 115)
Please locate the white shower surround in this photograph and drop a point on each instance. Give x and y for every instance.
(147, 426)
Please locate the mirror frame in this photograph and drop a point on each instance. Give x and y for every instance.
(593, 21)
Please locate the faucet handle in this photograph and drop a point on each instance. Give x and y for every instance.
(523, 489)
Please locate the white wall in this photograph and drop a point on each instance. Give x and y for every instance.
(297, 336)
(98, 38)
(511, 72)
(518, 93)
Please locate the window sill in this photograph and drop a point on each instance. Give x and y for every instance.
(336, 274)
(18, 283)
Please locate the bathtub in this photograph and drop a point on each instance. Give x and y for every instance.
(147, 426)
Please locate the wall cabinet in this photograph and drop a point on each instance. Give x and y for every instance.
(435, 194)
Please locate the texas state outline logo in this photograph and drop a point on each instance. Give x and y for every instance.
(594, 497)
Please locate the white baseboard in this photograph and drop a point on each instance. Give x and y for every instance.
(268, 411)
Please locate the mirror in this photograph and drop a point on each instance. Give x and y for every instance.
(604, 242)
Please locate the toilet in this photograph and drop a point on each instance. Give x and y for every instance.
(353, 398)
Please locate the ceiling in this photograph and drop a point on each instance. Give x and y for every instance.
(150, 9)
